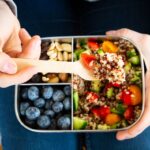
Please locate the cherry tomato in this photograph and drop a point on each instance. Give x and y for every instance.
(93, 45)
(126, 97)
(110, 47)
(101, 112)
(129, 113)
(86, 60)
(112, 119)
(136, 95)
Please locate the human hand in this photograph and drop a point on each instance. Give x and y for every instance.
(31, 49)
(11, 38)
(142, 41)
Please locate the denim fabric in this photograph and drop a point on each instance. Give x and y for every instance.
(16, 137)
(72, 17)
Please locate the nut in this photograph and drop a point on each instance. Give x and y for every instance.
(52, 46)
(65, 56)
(63, 77)
(53, 55)
(58, 46)
(60, 56)
(53, 80)
(45, 79)
(49, 53)
(66, 47)
(70, 56)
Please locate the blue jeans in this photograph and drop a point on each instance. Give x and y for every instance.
(61, 17)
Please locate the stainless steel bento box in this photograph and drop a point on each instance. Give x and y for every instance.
(45, 81)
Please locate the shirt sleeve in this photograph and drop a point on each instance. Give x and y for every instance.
(12, 6)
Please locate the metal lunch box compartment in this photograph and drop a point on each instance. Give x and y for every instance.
(54, 81)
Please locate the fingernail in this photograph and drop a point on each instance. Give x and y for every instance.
(10, 68)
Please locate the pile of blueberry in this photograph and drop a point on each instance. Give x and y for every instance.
(46, 107)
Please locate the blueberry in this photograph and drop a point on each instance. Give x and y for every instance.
(24, 93)
(67, 90)
(33, 93)
(23, 107)
(32, 113)
(57, 107)
(50, 113)
(43, 121)
(67, 103)
(47, 92)
(40, 102)
(64, 122)
(58, 95)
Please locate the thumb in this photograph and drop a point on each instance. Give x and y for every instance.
(130, 34)
(7, 65)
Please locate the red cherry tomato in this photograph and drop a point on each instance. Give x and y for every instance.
(126, 97)
(115, 84)
(129, 113)
(93, 45)
(86, 60)
(101, 112)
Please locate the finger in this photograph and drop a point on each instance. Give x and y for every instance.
(130, 34)
(20, 77)
(32, 49)
(24, 36)
(13, 44)
(136, 129)
(7, 65)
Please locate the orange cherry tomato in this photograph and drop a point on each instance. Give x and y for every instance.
(86, 59)
(108, 46)
(112, 119)
(136, 95)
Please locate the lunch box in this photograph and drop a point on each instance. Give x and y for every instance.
(68, 56)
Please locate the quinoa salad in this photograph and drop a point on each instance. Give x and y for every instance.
(114, 100)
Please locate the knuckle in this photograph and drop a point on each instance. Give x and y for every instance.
(125, 31)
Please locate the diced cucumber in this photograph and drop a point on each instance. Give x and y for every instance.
(96, 86)
(127, 67)
(135, 79)
(135, 60)
(77, 54)
(131, 53)
(100, 52)
(115, 126)
(138, 73)
(110, 92)
(79, 123)
(75, 100)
